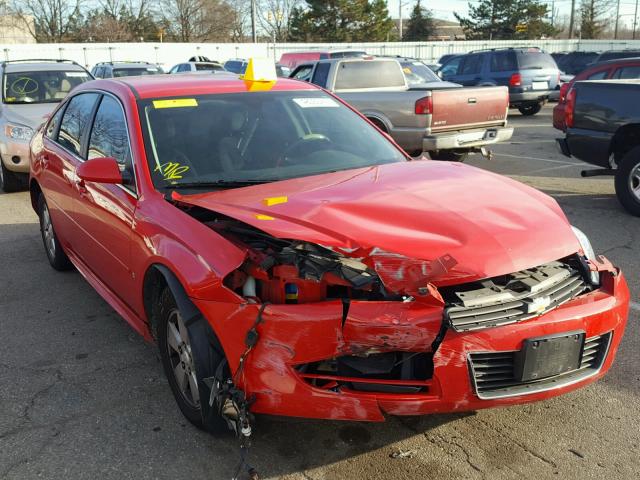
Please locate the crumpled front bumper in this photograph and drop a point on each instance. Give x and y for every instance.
(294, 334)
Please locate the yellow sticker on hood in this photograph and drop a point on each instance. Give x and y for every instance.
(270, 201)
(175, 103)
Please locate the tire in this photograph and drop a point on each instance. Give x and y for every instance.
(627, 181)
(9, 181)
(187, 363)
(450, 155)
(530, 109)
(57, 258)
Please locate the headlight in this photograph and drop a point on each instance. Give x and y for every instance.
(588, 252)
(18, 132)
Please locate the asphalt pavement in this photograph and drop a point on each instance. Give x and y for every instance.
(83, 396)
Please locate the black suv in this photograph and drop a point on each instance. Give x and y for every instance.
(530, 74)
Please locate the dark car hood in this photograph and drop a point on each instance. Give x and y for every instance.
(489, 224)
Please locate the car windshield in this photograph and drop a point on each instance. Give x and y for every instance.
(133, 71)
(417, 72)
(534, 60)
(227, 139)
(42, 86)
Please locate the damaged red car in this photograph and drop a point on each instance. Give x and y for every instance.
(288, 258)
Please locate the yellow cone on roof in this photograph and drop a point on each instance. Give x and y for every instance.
(260, 70)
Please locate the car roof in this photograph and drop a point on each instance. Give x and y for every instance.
(125, 64)
(52, 66)
(158, 86)
(617, 60)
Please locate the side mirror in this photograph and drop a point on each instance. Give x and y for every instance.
(439, 73)
(100, 170)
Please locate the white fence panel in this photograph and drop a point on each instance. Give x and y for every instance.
(168, 54)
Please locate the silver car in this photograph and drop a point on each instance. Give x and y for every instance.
(31, 89)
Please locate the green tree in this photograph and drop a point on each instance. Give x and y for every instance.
(592, 23)
(340, 21)
(420, 25)
(506, 20)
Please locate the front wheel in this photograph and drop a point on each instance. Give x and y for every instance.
(57, 258)
(530, 109)
(627, 182)
(190, 354)
(9, 181)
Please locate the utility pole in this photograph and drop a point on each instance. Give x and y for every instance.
(571, 18)
(254, 37)
(615, 33)
(635, 20)
(400, 5)
(553, 11)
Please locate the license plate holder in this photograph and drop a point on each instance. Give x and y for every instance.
(540, 85)
(547, 356)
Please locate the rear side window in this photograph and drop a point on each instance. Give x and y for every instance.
(209, 67)
(471, 64)
(109, 136)
(598, 75)
(536, 61)
(321, 74)
(628, 72)
(366, 74)
(503, 62)
(75, 121)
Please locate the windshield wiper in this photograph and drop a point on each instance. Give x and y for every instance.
(216, 183)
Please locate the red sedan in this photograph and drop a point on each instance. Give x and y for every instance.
(290, 259)
(625, 68)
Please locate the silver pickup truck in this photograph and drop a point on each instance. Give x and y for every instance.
(437, 117)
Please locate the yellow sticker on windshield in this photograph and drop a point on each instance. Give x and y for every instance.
(270, 201)
(175, 103)
(171, 170)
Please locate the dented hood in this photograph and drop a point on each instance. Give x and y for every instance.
(428, 210)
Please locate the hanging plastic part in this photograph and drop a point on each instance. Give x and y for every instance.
(232, 403)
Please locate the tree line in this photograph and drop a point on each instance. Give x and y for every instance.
(285, 20)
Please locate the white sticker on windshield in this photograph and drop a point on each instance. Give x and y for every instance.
(75, 74)
(318, 102)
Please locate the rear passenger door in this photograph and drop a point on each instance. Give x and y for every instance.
(59, 159)
(104, 212)
(502, 65)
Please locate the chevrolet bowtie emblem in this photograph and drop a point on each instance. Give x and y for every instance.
(538, 305)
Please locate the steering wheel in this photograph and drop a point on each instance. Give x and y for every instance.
(294, 149)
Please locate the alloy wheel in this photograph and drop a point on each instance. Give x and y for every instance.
(181, 357)
(47, 232)
(634, 181)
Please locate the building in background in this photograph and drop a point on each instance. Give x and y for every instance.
(14, 29)
(445, 30)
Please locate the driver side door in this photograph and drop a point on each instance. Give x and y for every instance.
(104, 212)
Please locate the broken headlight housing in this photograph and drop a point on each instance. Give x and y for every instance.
(589, 254)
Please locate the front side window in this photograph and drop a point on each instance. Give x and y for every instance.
(451, 67)
(76, 119)
(110, 138)
(257, 137)
(598, 75)
(303, 73)
(52, 126)
(40, 86)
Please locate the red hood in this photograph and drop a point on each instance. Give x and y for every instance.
(491, 225)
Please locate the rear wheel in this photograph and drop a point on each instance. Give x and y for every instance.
(9, 181)
(190, 354)
(450, 155)
(57, 258)
(530, 109)
(627, 181)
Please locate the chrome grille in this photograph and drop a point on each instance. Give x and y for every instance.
(492, 373)
(512, 298)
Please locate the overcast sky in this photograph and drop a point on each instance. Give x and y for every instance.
(444, 8)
